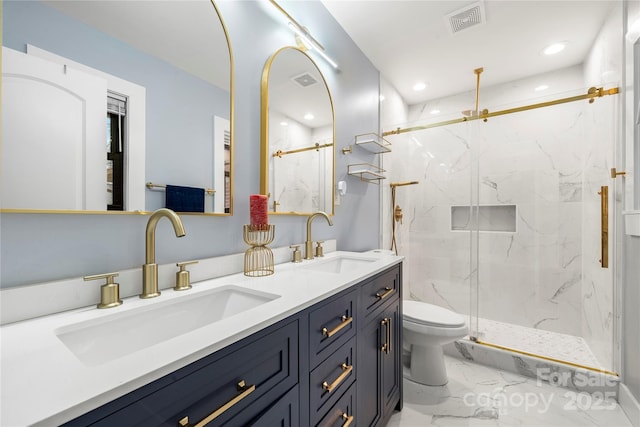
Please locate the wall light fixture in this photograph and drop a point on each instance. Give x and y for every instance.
(304, 36)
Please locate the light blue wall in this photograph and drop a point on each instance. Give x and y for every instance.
(179, 106)
(36, 247)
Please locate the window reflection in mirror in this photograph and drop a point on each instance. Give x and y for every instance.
(169, 61)
(297, 155)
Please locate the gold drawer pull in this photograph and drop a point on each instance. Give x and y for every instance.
(244, 392)
(348, 420)
(346, 370)
(345, 321)
(387, 291)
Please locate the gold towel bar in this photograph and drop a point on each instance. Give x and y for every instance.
(151, 185)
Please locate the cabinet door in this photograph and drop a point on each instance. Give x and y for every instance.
(391, 357)
(369, 382)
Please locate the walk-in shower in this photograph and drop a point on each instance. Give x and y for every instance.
(507, 224)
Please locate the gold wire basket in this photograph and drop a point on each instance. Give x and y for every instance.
(258, 259)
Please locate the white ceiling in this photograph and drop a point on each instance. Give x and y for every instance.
(410, 41)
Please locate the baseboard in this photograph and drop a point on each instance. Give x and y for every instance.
(629, 405)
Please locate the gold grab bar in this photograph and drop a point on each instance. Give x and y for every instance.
(346, 370)
(348, 419)
(387, 291)
(604, 226)
(317, 146)
(345, 321)
(244, 392)
(151, 185)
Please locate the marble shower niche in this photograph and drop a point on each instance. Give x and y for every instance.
(499, 218)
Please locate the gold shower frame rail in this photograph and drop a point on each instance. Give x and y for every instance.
(591, 94)
(317, 146)
(550, 359)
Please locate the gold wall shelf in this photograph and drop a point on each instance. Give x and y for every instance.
(366, 172)
(373, 143)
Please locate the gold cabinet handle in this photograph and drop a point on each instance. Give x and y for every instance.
(386, 347)
(244, 392)
(387, 291)
(345, 321)
(347, 420)
(346, 370)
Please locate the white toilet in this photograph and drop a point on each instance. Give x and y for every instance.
(426, 328)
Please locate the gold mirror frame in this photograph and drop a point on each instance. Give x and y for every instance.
(231, 150)
(264, 132)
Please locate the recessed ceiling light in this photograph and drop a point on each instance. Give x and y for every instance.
(419, 86)
(284, 124)
(381, 98)
(541, 88)
(434, 111)
(308, 116)
(554, 48)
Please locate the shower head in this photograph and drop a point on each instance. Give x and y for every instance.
(400, 184)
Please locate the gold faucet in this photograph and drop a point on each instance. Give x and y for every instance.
(150, 268)
(308, 245)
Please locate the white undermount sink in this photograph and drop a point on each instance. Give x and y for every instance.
(108, 338)
(339, 264)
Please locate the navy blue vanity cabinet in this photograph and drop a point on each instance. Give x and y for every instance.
(379, 349)
(241, 383)
(332, 351)
(336, 363)
(342, 414)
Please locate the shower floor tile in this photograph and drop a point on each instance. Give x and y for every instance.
(478, 395)
(544, 343)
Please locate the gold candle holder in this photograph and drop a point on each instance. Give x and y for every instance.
(258, 259)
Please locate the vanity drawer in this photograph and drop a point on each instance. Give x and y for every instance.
(331, 325)
(343, 412)
(268, 367)
(380, 289)
(330, 379)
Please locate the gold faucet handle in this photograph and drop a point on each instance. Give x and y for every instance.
(183, 279)
(296, 256)
(109, 292)
(319, 249)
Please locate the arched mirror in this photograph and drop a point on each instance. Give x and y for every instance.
(297, 135)
(116, 106)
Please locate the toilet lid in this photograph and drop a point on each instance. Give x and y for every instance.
(429, 314)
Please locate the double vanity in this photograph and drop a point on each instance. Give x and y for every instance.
(316, 343)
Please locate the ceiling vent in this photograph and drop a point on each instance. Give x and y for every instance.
(465, 18)
(304, 80)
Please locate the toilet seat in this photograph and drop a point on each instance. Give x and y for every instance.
(422, 313)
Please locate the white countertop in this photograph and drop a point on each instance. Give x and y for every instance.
(43, 383)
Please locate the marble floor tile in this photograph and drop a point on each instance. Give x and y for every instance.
(477, 395)
(538, 341)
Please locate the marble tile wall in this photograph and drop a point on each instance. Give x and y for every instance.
(546, 162)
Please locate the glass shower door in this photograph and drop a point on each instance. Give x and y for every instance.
(537, 283)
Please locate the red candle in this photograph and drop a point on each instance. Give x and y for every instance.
(258, 211)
